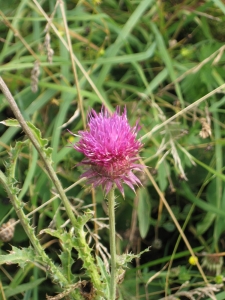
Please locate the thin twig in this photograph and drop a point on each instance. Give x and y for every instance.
(174, 220)
(191, 106)
(26, 45)
(49, 201)
(80, 101)
(74, 57)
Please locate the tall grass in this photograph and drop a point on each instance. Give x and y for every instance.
(164, 61)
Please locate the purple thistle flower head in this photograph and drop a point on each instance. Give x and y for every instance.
(111, 150)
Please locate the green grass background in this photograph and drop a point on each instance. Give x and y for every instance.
(156, 58)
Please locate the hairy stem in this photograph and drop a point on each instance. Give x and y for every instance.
(92, 271)
(42, 154)
(112, 238)
(56, 275)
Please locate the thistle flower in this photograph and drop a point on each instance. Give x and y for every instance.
(111, 150)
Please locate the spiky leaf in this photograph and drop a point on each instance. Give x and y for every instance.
(21, 257)
(65, 257)
(36, 132)
(123, 259)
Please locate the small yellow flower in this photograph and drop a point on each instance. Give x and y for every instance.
(193, 260)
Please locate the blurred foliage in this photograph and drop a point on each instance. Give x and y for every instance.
(155, 57)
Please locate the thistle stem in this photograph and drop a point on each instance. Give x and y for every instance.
(112, 238)
(83, 248)
(42, 257)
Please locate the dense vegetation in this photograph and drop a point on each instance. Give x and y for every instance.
(164, 61)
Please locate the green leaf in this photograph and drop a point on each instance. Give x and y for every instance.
(216, 105)
(3, 103)
(42, 142)
(67, 262)
(169, 226)
(83, 219)
(129, 58)
(204, 224)
(122, 37)
(220, 221)
(30, 174)
(67, 245)
(125, 258)
(105, 276)
(187, 193)
(184, 274)
(144, 211)
(19, 256)
(220, 5)
(23, 287)
(11, 123)
(11, 166)
(56, 233)
(167, 59)
(162, 176)
(37, 134)
(220, 296)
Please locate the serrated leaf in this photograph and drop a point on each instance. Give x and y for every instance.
(67, 245)
(11, 123)
(67, 262)
(52, 232)
(64, 236)
(144, 211)
(11, 166)
(19, 256)
(125, 258)
(37, 133)
(42, 142)
(83, 219)
(15, 151)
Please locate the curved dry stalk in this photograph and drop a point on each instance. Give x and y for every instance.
(174, 220)
(80, 102)
(218, 53)
(181, 112)
(74, 56)
(26, 45)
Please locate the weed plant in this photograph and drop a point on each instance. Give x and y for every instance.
(164, 62)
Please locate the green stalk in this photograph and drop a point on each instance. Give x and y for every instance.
(112, 239)
(48, 166)
(82, 246)
(55, 273)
